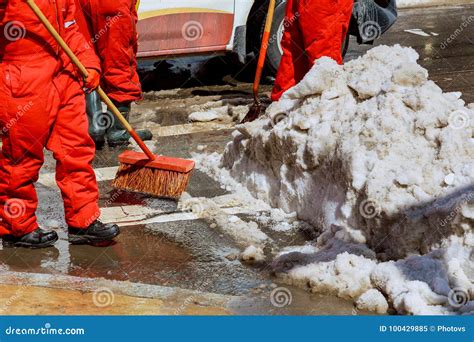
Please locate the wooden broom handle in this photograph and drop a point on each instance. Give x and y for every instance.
(264, 47)
(84, 73)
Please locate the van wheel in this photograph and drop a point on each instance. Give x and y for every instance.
(275, 51)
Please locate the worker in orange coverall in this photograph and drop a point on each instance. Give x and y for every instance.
(313, 29)
(110, 26)
(43, 106)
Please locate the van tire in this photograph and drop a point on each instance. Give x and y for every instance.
(256, 27)
(274, 52)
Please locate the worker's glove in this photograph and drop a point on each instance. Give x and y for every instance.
(92, 81)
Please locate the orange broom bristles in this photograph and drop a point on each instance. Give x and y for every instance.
(162, 177)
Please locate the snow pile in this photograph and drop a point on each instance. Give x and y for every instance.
(365, 146)
(381, 163)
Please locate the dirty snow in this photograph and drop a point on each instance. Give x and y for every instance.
(381, 163)
(209, 115)
(277, 220)
(372, 300)
(244, 233)
(223, 110)
(252, 254)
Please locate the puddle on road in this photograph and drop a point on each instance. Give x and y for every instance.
(145, 255)
(184, 254)
(137, 257)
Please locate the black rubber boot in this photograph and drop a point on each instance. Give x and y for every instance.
(99, 141)
(38, 238)
(95, 233)
(118, 136)
(98, 121)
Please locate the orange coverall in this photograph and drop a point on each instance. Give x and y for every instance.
(110, 26)
(42, 106)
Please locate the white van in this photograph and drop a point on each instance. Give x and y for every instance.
(173, 28)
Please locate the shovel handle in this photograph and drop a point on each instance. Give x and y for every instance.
(34, 7)
(263, 48)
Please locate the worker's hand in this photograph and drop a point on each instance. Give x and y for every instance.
(92, 81)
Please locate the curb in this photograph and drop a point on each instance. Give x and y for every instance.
(136, 290)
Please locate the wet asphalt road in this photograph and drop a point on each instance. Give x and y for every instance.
(189, 253)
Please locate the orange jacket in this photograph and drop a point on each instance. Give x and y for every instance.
(110, 25)
(26, 37)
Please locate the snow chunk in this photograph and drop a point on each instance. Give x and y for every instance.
(210, 115)
(372, 300)
(252, 254)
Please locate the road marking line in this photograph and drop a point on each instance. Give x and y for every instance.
(418, 32)
(106, 173)
(102, 174)
(166, 218)
(131, 215)
(173, 217)
(135, 213)
(189, 128)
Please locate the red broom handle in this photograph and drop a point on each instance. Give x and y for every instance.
(84, 73)
(264, 47)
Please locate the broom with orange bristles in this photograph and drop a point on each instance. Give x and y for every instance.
(140, 172)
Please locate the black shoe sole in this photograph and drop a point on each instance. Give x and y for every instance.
(91, 239)
(20, 244)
